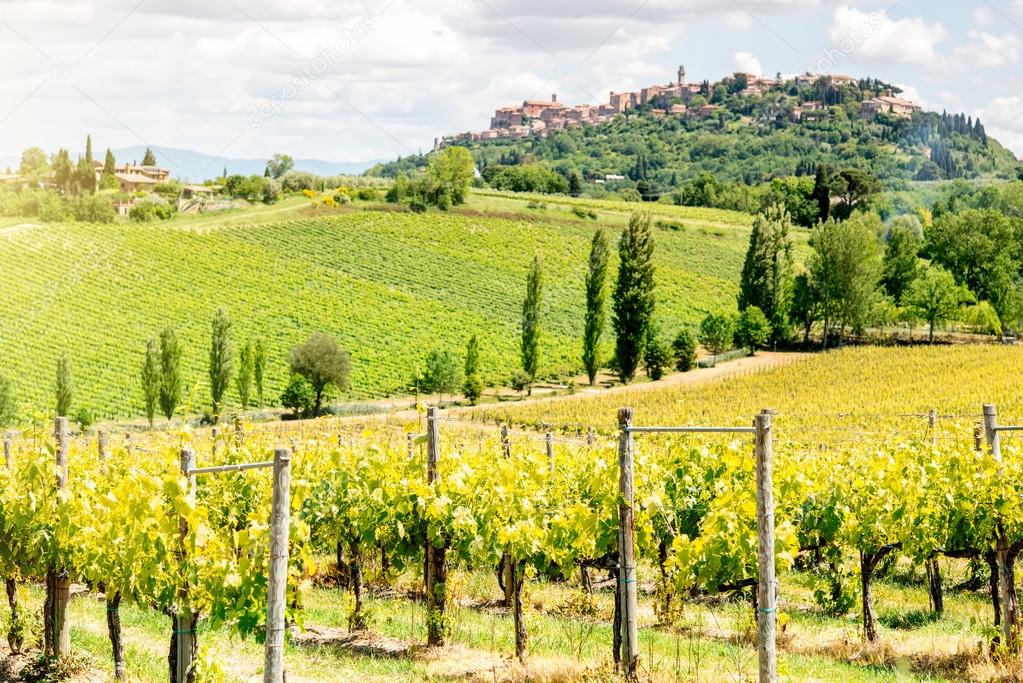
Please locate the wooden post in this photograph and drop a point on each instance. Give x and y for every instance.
(978, 437)
(184, 621)
(436, 568)
(549, 441)
(57, 635)
(590, 440)
(101, 444)
(8, 452)
(277, 590)
(932, 424)
(411, 446)
(627, 547)
(1007, 617)
(505, 441)
(767, 591)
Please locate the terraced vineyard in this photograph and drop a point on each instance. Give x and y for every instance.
(391, 286)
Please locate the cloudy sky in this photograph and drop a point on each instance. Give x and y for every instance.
(350, 81)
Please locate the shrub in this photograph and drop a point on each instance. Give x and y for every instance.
(684, 350)
(151, 210)
(298, 396)
(630, 194)
(520, 381)
(656, 356)
(716, 333)
(752, 329)
(366, 194)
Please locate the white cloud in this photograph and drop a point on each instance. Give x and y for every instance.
(951, 101)
(983, 17)
(912, 94)
(875, 37)
(987, 51)
(745, 62)
(1003, 119)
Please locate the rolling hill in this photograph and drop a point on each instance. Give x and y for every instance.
(392, 286)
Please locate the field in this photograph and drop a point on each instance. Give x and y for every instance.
(858, 472)
(391, 286)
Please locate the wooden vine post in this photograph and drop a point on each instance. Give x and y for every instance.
(767, 587)
(56, 634)
(549, 443)
(280, 523)
(101, 444)
(15, 638)
(436, 568)
(507, 565)
(1007, 609)
(184, 641)
(627, 548)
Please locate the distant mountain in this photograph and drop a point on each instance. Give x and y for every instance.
(188, 164)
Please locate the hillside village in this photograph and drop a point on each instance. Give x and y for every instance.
(677, 99)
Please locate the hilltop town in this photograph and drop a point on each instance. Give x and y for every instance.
(681, 99)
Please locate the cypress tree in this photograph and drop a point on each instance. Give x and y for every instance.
(151, 380)
(596, 300)
(633, 294)
(472, 387)
(64, 388)
(170, 372)
(766, 280)
(221, 360)
(531, 322)
(149, 159)
(822, 192)
(258, 368)
(246, 369)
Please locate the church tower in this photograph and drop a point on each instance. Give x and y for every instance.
(681, 75)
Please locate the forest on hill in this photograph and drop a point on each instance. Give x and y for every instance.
(752, 139)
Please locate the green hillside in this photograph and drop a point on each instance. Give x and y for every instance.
(390, 285)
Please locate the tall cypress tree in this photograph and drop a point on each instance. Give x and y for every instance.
(766, 280)
(170, 372)
(88, 148)
(221, 360)
(151, 380)
(149, 159)
(822, 192)
(633, 294)
(258, 368)
(64, 388)
(596, 303)
(531, 322)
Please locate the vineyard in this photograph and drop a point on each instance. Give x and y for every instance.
(892, 515)
(99, 292)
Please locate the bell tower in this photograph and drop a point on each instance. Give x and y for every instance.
(681, 75)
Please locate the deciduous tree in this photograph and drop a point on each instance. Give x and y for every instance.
(322, 362)
(766, 280)
(935, 298)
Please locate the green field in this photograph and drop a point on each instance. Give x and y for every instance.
(390, 285)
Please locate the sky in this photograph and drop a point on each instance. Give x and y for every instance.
(353, 81)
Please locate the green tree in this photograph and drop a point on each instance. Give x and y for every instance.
(853, 188)
(88, 149)
(633, 298)
(84, 180)
(716, 333)
(845, 268)
(280, 164)
(684, 350)
(596, 303)
(805, 308)
(33, 165)
(450, 173)
(221, 365)
(935, 298)
(258, 369)
(575, 183)
(752, 329)
(63, 171)
(108, 181)
(170, 372)
(766, 280)
(8, 406)
(64, 387)
(822, 192)
(981, 248)
(442, 375)
(246, 369)
(151, 380)
(149, 159)
(323, 363)
(656, 354)
(531, 322)
(472, 387)
(901, 259)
